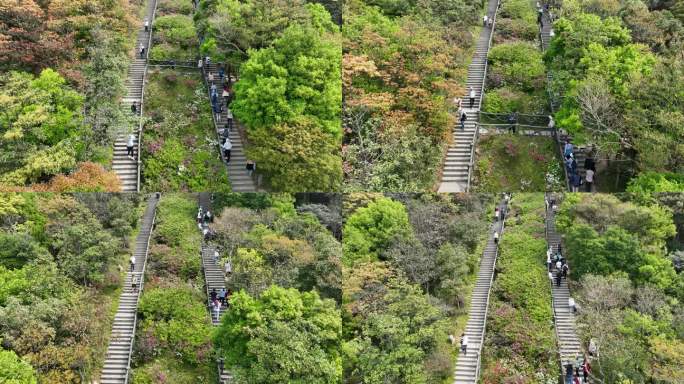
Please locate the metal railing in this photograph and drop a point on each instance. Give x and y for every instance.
(173, 63)
(479, 102)
(489, 293)
(553, 306)
(142, 95)
(140, 289)
(552, 100)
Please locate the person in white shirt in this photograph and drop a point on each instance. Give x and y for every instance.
(464, 344)
(147, 25)
(129, 146)
(589, 179)
(571, 304)
(471, 95)
(132, 263)
(496, 238)
(559, 265)
(484, 20)
(227, 147)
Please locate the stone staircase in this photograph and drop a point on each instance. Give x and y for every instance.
(467, 366)
(125, 167)
(240, 180)
(569, 344)
(117, 362)
(214, 279)
(455, 172)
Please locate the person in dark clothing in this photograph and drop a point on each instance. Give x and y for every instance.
(565, 270)
(213, 295)
(463, 119)
(134, 108)
(511, 121)
(589, 164)
(558, 279)
(221, 72)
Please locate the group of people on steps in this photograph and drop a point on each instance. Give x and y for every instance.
(574, 177)
(221, 298)
(577, 371)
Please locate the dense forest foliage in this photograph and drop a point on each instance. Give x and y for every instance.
(69, 59)
(626, 259)
(283, 323)
(620, 69)
(288, 96)
(519, 342)
(403, 63)
(409, 264)
(61, 262)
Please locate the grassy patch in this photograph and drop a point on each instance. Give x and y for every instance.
(180, 151)
(514, 163)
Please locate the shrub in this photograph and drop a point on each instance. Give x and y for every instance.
(179, 320)
(506, 100)
(518, 64)
(183, 7)
(176, 30)
(369, 230)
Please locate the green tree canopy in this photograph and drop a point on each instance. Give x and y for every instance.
(299, 75)
(13, 370)
(41, 130)
(370, 229)
(282, 336)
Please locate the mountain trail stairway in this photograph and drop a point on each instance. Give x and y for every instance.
(240, 180)
(468, 364)
(568, 343)
(126, 168)
(458, 161)
(213, 277)
(117, 362)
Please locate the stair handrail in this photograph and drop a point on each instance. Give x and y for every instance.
(140, 288)
(482, 88)
(489, 291)
(473, 145)
(142, 94)
(549, 91)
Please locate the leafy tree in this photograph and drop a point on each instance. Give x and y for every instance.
(235, 27)
(518, 64)
(299, 75)
(281, 336)
(19, 249)
(298, 155)
(27, 40)
(396, 337)
(14, 370)
(370, 230)
(41, 127)
(178, 321)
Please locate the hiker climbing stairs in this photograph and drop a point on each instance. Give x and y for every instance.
(240, 180)
(118, 359)
(126, 168)
(458, 161)
(468, 364)
(554, 97)
(568, 342)
(213, 277)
